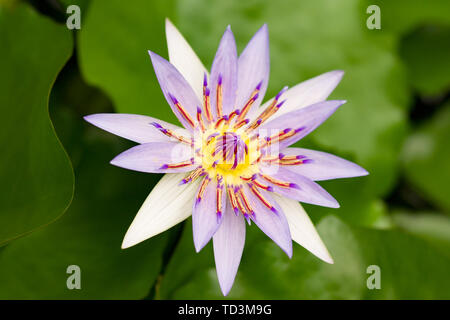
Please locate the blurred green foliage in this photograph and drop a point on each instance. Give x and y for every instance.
(396, 124)
(410, 268)
(426, 158)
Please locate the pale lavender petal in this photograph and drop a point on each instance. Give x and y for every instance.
(176, 90)
(323, 166)
(270, 220)
(157, 157)
(137, 128)
(302, 121)
(224, 72)
(253, 69)
(229, 243)
(205, 217)
(308, 92)
(301, 188)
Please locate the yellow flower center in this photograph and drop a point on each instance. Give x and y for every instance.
(228, 152)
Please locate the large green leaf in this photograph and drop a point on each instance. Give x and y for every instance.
(426, 53)
(35, 171)
(89, 235)
(425, 158)
(410, 268)
(431, 226)
(401, 16)
(114, 44)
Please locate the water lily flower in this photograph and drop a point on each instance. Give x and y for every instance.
(231, 162)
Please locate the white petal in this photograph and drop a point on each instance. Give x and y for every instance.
(184, 59)
(167, 204)
(308, 92)
(302, 229)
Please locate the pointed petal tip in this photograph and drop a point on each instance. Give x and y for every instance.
(127, 242)
(199, 243)
(289, 252)
(339, 73)
(334, 104)
(228, 33)
(225, 289)
(358, 171)
(93, 118)
(364, 172)
(323, 255)
(119, 160)
(115, 161)
(334, 204)
(264, 28)
(155, 57)
(124, 246)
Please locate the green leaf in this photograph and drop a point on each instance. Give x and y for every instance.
(428, 225)
(426, 53)
(425, 158)
(410, 268)
(401, 16)
(35, 171)
(364, 210)
(113, 48)
(89, 235)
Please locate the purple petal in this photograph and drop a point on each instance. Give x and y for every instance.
(224, 71)
(271, 221)
(302, 189)
(228, 246)
(157, 157)
(176, 89)
(303, 121)
(308, 92)
(133, 127)
(253, 68)
(323, 166)
(205, 218)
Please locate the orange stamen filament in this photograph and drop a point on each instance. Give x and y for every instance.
(276, 181)
(185, 115)
(260, 196)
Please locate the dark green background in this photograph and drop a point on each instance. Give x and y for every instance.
(61, 203)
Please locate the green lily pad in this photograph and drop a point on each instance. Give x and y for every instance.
(401, 16)
(410, 268)
(89, 235)
(425, 158)
(426, 53)
(34, 168)
(113, 53)
(430, 226)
